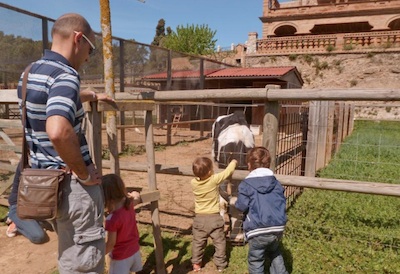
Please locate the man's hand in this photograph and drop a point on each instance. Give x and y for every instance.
(105, 98)
(91, 95)
(94, 174)
(93, 177)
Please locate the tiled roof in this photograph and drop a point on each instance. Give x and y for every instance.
(227, 72)
(251, 72)
(180, 74)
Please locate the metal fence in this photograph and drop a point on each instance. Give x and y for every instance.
(24, 36)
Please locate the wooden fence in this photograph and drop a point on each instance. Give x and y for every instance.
(325, 107)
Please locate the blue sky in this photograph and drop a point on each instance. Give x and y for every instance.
(131, 19)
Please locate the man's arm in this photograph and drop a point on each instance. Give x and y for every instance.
(66, 143)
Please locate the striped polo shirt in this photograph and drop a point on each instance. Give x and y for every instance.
(52, 89)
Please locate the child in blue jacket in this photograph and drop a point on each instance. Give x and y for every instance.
(261, 199)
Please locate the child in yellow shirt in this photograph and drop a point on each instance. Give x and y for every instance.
(207, 221)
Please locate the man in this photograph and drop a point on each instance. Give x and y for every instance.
(55, 113)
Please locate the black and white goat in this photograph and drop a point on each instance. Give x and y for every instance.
(232, 138)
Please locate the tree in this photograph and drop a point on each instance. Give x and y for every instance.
(160, 32)
(192, 39)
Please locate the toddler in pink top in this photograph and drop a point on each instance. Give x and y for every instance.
(122, 243)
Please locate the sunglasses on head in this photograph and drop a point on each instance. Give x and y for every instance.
(92, 47)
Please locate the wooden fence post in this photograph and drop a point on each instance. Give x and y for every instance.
(340, 126)
(270, 129)
(329, 131)
(151, 172)
(345, 121)
(322, 121)
(93, 135)
(351, 119)
(169, 127)
(312, 135)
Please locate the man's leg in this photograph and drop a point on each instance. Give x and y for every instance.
(81, 244)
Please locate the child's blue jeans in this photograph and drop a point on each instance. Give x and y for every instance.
(31, 229)
(265, 246)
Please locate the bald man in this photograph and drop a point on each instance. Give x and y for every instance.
(55, 114)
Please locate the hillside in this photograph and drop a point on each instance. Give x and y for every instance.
(380, 70)
(353, 71)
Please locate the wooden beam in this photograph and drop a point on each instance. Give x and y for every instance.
(341, 185)
(127, 105)
(312, 139)
(9, 167)
(270, 132)
(240, 94)
(6, 184)
(11, 148)
(148, 197)
(7, 123)
(287, 180)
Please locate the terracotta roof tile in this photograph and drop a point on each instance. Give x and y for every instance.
(180, 74)
(227, 72)
(251, 72)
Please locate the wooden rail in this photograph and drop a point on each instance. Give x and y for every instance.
(267, 94)
(286, 180)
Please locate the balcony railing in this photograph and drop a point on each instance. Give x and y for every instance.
(338, 43)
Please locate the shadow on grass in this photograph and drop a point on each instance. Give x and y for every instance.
(180, 263)
(179, 252)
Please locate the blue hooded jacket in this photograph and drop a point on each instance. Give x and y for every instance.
(261, 198)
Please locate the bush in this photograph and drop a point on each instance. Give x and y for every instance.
(330, 48)
(292, 57)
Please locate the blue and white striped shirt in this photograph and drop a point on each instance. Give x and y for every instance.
(52, 89)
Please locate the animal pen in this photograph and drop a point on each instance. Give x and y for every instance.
(302, 135)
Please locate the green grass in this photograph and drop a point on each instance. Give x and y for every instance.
(327, 231)
(339, 232)
(177, 253)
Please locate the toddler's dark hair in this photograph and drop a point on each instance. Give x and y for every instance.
(202, 166)
(258, 157)
(114, 190)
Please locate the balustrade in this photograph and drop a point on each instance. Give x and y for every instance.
(355, 42)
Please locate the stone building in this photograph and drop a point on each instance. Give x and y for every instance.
(313, 26)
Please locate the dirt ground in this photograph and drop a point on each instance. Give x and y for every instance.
(176, 205)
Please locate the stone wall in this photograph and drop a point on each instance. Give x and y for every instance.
(366, 70)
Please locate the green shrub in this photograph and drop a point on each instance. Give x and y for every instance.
(370, 54)
(348, 47)
(292, 57)
(308, 58)
(330, 48)
(353, 83)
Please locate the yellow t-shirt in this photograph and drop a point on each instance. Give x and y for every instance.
(206, 194)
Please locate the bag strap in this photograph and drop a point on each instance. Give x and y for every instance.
(25, 147)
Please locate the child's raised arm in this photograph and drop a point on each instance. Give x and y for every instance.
(228, 171)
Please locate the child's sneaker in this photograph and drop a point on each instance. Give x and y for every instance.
(221, 269)
(196, 267)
